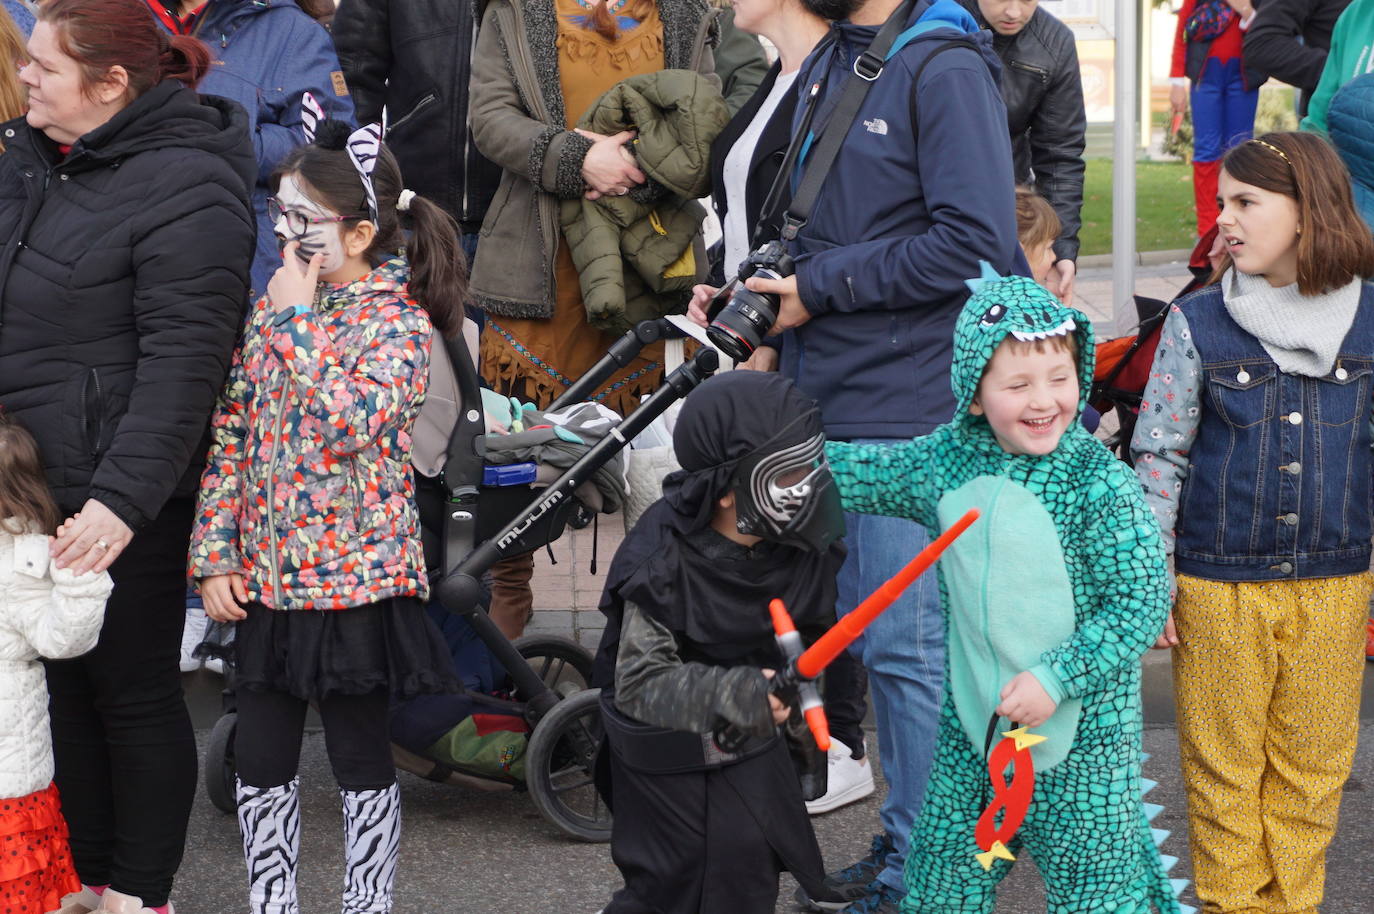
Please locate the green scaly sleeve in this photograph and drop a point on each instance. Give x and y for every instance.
(1129, 572)
(896, 480)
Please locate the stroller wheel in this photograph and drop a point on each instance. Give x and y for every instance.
(220, 769)
(560, 662)
(559, 766)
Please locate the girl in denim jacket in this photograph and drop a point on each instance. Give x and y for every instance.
(1253, 447)
(307, 534)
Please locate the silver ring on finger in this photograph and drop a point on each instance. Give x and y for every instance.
(102, 545)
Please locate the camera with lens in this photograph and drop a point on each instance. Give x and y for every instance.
(740, 317)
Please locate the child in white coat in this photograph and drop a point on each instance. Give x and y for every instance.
(45, 611)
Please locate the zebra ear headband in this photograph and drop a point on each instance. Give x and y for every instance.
(363, 146)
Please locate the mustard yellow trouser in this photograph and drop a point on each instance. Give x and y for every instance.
(1267, 685)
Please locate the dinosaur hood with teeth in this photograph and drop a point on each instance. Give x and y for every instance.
(1015, 306)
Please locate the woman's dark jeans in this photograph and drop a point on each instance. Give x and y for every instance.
(122, 737)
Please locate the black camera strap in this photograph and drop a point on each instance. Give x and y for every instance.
(774, 203)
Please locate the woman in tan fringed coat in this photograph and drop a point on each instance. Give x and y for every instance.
(563, 54)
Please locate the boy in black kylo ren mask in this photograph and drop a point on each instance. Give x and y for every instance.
(753, 514)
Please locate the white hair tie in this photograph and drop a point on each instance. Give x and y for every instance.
(403, 201)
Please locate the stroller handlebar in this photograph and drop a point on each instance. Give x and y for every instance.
(622, 352)
(459, 589)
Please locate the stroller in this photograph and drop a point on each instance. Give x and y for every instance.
(473, 526)
(1123, 364)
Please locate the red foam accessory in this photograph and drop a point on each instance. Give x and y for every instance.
(1015, 797)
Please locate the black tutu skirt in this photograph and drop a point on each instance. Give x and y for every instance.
(391, 645)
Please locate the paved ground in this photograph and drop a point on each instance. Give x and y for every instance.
(466, 852)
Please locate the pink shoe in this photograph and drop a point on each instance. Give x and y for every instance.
(113, 902)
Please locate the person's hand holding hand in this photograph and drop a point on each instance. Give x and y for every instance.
(1243, 8)
(696, 308)
(224, 596)
(608, 168)
(1025, 701)
(791, 312)
(1060, 280)
(1178, 99)
(294, 282)
(1169, 637)
(90, 540)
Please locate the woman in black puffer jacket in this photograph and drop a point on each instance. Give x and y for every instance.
(127, 237)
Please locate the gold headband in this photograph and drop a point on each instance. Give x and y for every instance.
(1281, 154)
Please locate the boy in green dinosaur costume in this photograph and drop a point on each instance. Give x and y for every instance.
(1050, 600)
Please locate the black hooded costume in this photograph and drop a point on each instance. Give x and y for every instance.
(687, 635)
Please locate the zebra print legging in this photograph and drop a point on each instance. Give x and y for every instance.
(267, 742)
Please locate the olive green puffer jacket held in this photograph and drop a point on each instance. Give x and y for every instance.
(639, 255)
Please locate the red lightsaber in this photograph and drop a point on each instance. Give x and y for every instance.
(844, 632)
(799, 676)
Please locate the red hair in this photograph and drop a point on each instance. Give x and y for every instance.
(101, 34)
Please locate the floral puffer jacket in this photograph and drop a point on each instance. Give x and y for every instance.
(308, 490)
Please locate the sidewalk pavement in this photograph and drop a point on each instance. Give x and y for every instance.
(464, 852)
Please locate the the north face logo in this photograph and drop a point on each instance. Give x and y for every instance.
(877, 125)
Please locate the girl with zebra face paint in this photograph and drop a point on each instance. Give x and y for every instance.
(307, 535)
(316, 229)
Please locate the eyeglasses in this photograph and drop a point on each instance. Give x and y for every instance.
(297, 221)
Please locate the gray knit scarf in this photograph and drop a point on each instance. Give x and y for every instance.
(1301, 333)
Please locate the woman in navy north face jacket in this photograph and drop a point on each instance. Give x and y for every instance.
(268, 53)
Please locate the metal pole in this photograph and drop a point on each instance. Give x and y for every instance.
(1123, 167)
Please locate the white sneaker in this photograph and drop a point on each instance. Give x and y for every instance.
(82, 902)
(112, 902)
(191, 635)
(848, 780)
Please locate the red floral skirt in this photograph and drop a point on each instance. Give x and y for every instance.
(35, 862)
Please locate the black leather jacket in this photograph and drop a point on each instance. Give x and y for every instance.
(414, 57)
(1043, 91)
(1289, 40)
